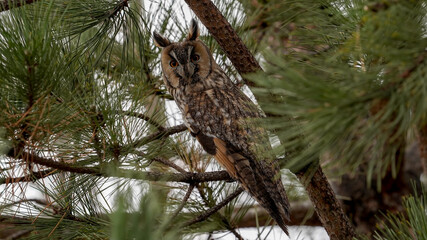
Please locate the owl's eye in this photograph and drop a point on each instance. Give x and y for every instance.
(195, 58)
(173, 63)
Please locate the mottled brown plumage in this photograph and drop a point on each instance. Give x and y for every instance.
(219, 115)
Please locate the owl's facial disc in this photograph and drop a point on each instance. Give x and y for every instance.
(184, 63)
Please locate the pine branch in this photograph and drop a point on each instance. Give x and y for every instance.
(183, 202)
(42, 202)
(143, 117)
(215, 208)
(169, 164)
(187, 177)
(28, 178)
(157, 135)
(224, 220)
(6, 5)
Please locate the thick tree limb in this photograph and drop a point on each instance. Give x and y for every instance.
(318, 187)
(224, 34)
(327, 206)
(187, 177)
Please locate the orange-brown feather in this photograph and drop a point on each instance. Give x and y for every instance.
(223, 158)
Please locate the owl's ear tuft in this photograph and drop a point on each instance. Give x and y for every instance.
(160, 41)
(194, 31)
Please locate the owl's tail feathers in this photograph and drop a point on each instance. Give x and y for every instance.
(281, 215)
(280, 219)
(275, 201)
(262, 182)
(257, 177)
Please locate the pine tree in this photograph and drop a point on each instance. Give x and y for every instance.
(91, 148)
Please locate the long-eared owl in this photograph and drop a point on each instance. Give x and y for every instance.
(221, 117)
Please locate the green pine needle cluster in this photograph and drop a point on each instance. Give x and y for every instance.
(410, 225)
(347, 83)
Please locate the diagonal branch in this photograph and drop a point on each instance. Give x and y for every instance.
(223, 219)
(158, 135)
(143, 117)
(169, 163)
(327, 206)
(215, 208)
(224, 34)
(184, 200)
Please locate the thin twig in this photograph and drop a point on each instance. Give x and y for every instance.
(157, 135)
(170, 164)
(96, 122)
(163, 161)
(227, 224)
(215, 208)
(39, 201)
(143, 117)
(232, 229)
(118, 8)
(183, 202)
(28, 178)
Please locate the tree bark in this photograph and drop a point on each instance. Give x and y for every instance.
(227, 38)
(327, 206)
(318, 188)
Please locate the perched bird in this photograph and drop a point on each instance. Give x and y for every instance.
(221, 117)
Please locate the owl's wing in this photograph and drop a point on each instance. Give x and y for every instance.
(220, 119)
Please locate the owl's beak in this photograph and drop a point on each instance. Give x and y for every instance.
(189, 70)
